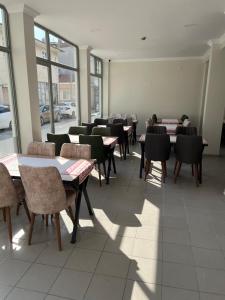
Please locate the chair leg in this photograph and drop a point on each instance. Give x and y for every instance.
(147, 168)
(104, 168)
(31, 228)
(9, 223)
(70, 214)
(177, 172)
(121, 154)
(26, 210)
(114, 164)
(196, 174)
(164, 171)
(18, 208)
(175, 166)
(58, 232)
(99, 175)
(4, 215)
(46, 220)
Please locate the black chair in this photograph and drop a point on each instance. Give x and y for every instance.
(157, 148)
(103, 131)
(59, 140)
(117, 130)
(186, 130)
(189, 150)
(156, 129)
(120, 121)
(183, 117)
(100, 121)
(98, 151)
(154, 118)
(76, 130)
(89, 127)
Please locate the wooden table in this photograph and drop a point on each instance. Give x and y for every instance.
(170, 128)
(73, 172)
(173, 139)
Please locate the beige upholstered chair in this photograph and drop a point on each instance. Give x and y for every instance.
(11, 193)
(76, 151)
(41, 149)
(46, 195)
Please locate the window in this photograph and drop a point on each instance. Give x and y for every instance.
(58, 84)
(9, 135)
(96, 73)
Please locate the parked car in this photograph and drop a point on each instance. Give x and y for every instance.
(5, 117)
(67, 109)
(45, 114)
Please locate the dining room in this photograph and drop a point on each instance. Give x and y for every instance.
(111, 169)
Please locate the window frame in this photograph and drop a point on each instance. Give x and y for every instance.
(47, 62)
(8, 49)
(100, 76)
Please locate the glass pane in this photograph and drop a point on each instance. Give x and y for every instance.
(3, 41)
(62, 52)
(44, 100)
(7, 126)
(96, 97)
(40, 42)
(99, 67)
(92, 65)
(65, 98)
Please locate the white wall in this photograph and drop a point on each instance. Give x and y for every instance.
(167, 88)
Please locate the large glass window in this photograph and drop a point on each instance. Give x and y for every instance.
(58, 85)
(9, 141)
(96, 73)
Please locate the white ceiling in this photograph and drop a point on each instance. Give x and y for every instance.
(113, 28)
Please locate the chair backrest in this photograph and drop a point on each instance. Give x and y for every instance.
(186, 130)
(156, 129)
(75, 151)
(183, 117)
(157, 147)
(103, 131)
(41, 149)
(97, 146)
(100, 121)
(45, 193)
(78, 130)
(117, 130)
(59, 140)
(8, 195)
(120, 121)
(89, 127)
(154, 118)
(189, 148)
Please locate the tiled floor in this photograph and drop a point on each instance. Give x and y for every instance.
(148, 240)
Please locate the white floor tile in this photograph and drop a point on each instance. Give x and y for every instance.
(169, 293)
(122, 245)
(71, 284)
(105, 287)
(12, 270)
(39, 278)
(209, 258)
(177, 236)
(21, 294)
(204, 296)
(211, 281)
(177, 253)
(142, 291)
(147, 249)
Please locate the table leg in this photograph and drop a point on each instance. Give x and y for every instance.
(200, 172)
(90, 210)
(134, 139)
(77, 213)
(142, 159)
(109, 168)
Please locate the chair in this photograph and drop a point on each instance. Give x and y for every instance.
(154, 118)
(41, 149)
(11, 193)
(89, 127)
(117, 130)
(59, 140)
(183, 117)
(120, 121)
(157, 148)
(186, 130)
(98, 151)
(46, 195)
(189, 150)
(75, 151)
(99, 121)
(156, 129)
(76, 130)
(103, 131)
